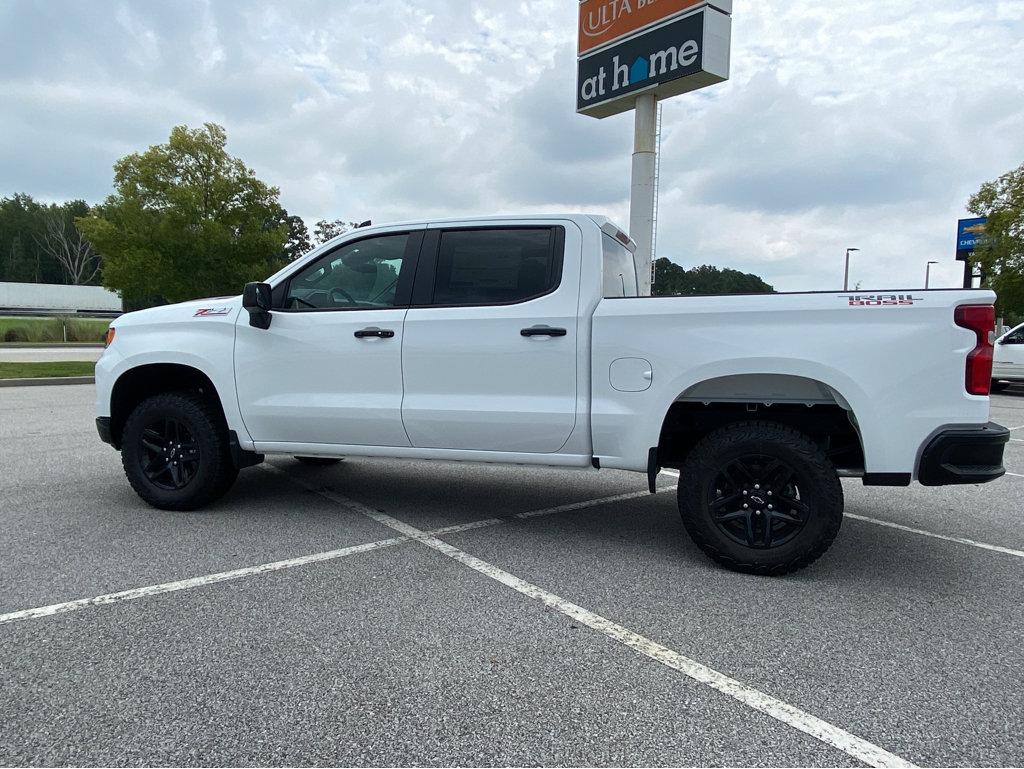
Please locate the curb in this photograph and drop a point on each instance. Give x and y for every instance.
(52, 380)
(47, 345)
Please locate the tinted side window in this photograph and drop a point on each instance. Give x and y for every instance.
(495, 266)
(363, 274)
(1017, 337)
(619, 269)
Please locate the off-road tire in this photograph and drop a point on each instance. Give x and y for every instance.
(819, 489)
(214, 471)
(318, 461)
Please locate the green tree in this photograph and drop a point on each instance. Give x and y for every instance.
(40, 244)
(21, 224)
(325, 230)
(672, 280)
(297, 240)
(186, 220)
(1002, 255)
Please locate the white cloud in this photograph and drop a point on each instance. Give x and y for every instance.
(865, 125)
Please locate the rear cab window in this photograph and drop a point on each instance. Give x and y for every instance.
(494, 266)
(619, 269)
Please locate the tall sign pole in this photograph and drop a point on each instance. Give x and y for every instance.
(633, 54)
(641, 193)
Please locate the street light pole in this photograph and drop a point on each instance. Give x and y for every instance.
(846, 274)
(928, 274)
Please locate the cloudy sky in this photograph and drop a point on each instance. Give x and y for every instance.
(861, 124)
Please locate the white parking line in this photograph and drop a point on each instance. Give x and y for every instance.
(290, 563)
(922, 532)
(185, 584)
(832, 735)
(933, 535)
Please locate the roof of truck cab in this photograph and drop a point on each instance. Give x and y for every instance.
(576, 217)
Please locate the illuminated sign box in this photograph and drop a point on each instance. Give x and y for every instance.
(677, 56)
(970, 236)
(605, 21)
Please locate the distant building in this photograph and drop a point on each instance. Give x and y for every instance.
(46, 298)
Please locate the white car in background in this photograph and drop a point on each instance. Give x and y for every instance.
(1008, 359)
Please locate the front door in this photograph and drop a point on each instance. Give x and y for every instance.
(329, 368)
(490, 352)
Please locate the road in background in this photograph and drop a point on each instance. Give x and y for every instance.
(402, 655)
(44, 354)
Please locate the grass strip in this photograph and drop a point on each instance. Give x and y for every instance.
(46, 369)
(29, 329)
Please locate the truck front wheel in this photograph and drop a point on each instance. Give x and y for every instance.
(760, 498)
(175, 452)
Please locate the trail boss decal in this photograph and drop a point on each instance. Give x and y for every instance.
(211, 312)
(881, 300)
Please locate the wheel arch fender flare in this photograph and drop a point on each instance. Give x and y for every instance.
(780, 379)
(140, 377)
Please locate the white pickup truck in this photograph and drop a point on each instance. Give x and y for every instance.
(523, 340)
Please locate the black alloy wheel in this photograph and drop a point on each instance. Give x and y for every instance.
(170, 455)
(755, 501)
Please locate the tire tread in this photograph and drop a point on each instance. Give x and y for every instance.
(221, 473)
(701, 461)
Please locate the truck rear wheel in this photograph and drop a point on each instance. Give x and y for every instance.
(175, 452)
(760, 498)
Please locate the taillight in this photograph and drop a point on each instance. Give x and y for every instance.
(981, 319)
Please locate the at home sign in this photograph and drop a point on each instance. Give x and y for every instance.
(682, 55)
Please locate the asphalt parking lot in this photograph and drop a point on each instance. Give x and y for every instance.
(319, 616)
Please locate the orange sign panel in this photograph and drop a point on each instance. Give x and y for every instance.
(602, 21)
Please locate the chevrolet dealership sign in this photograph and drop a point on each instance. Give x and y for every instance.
(629, 47)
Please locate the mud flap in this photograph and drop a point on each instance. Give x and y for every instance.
(653, 468)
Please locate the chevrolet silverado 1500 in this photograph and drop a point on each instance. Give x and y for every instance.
(523, 340)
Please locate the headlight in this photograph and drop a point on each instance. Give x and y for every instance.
(110, 337)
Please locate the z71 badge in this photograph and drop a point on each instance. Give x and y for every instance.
(881, 300)
(211, 312)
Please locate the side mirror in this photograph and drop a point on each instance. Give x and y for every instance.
(256, 299)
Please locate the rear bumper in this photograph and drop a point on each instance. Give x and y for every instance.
(964, 455)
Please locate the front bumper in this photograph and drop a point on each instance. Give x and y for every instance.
(964, 455)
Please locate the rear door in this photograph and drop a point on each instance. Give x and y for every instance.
(490, 352)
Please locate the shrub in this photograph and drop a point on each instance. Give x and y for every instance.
(86, 331)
